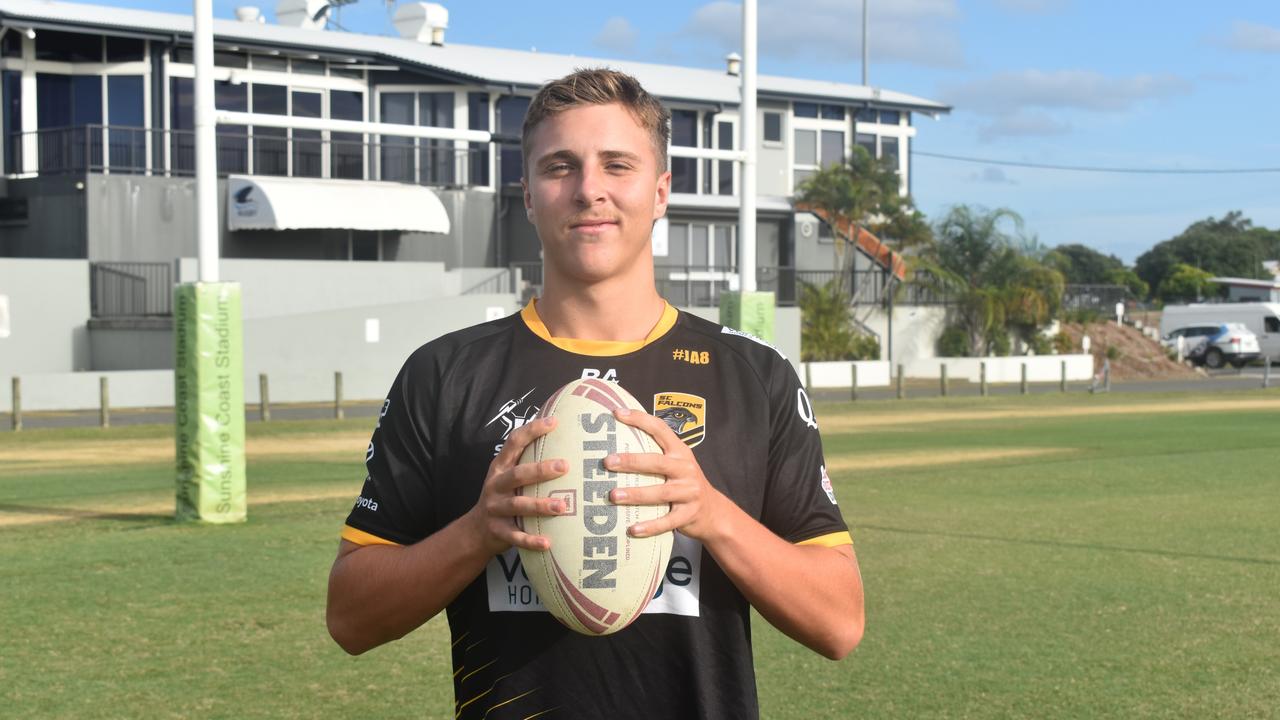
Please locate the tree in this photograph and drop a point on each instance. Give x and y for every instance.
(1187, 284)
(826, 327)
(994, 268)
(1227, 247)
(1082, 265)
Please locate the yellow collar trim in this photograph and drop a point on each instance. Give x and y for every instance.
(600, 348)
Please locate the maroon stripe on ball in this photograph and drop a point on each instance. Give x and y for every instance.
(608, 389)
(587, 612)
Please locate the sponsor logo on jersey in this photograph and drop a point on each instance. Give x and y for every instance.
(685, 414)
(368, 453)
(752, 338)
(509, 588)
(510, 416)
(804, 409)
(826, 484)
(608, 375)
(364, 502)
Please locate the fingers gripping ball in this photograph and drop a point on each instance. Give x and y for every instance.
(596, 579)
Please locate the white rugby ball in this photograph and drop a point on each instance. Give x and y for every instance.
(596, 579)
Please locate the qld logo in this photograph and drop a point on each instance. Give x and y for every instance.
(244, 203)
(685, 414)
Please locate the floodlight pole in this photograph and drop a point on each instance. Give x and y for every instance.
(206, 147)
(747, 123)
(865, 52)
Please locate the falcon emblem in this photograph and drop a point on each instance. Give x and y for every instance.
(684, 413)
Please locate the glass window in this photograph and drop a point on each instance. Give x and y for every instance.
(270, 62)
(11, 115)
(773, 127)
(832, 112)
(889, 150)
(478, 153)
(346, 150)
(121, 49)
(68, 47)
(724, 247)
(806, 147)
(867, 142)
(87, 99)
(698, 248)
(678, 244)
(11, 44)
(270, 99)
(396, 151)
(127, 138)
(270, 146)
(801, 176)
(232, 140)
(724, 184)
(684, 128)
(889, 117)
(832, 147)
(1271, 324)
(684, 175)
(182, 55)
(182, 142)
(308, 67)
(347, 72)
(805, 110)
(228, 59)
(230, 97)
(511, 111)
(65, 104)
(867, 115)
(436, 156)
(307, 146)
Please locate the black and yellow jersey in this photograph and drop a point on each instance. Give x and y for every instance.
(735, 400)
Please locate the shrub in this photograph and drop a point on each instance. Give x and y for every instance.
(1063, 344)
(1001, 345)
(1114, 353)
(1041, 345)
(826, 328)
(954, 342)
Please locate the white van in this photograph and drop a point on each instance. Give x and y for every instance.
(1262, 318)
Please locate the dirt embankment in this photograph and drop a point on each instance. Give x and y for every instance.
(1135, 357)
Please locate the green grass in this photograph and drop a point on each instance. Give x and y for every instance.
(1135, 573)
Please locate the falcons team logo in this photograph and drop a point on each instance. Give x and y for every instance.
(685, 414)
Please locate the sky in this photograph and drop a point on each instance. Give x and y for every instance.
(1172, 85)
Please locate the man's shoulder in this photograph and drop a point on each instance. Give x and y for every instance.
(452, 347)
(753, 349)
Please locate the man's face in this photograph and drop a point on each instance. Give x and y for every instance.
(593, 189)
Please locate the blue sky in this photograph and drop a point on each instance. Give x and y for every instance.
(1174, 84)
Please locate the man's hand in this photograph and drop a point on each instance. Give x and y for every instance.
(693, 500)
(500, 504)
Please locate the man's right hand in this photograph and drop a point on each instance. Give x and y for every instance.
(495, 513)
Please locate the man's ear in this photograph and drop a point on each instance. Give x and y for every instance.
(528, 199)
(662, 195)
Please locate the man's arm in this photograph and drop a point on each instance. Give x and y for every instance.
(811, 593)
(378, 593)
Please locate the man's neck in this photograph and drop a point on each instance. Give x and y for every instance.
(617, 310)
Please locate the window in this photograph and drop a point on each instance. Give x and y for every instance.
(867, 115)
(867, 142)
(773, 127)
(889, 150)
(396, 156)
(127, 138)
(307, 156)
(832, 112)
(183, 55)
(1271, 324)
(182, 123)
(66, 107)
(346, 150)
(889, 117)
(478, 153)
(67, 46)
(511, 111)
(228, 59)
(232, 140)
(684, 133)
(805, 109)
(832, 147)
(270, 146)
(308, 67)
(121, 49)
(724, 170)
(11, 44)
(270, 62)
(435, 109)
(11, 110)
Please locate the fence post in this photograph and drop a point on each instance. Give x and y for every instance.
(337, 395)
(1266, 374)
(853, 381)
(1106, 375)
(104, 395)
(902, 393)
(264, 398)
(17, 404)
(1023, 386)
(944, 378)
(1062, 386)
(808, 377)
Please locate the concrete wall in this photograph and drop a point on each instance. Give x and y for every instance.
(56, 218)
(871, 373)
(915, 330)
(1040, 368)
(80, 390)
(48, 308)
(141, 219)
(771, 158)
(470, 241)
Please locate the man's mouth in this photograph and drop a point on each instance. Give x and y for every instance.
(593, 226)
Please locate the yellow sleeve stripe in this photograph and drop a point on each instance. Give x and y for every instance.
(835, 539)
(361, 537)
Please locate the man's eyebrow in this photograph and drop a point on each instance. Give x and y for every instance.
(618, 155)
(557, 155)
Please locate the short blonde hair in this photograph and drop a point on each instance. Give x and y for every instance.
(599, 87)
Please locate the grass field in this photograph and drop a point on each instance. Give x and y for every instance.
(1043, 556)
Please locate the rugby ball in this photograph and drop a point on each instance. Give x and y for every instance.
(596, 579)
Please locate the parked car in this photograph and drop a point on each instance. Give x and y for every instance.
(1263, 318)
(1216, 345)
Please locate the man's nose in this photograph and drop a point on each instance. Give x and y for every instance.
(590, 188)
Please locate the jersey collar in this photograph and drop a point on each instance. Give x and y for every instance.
(602, 348)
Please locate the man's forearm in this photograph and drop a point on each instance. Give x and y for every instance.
(378, 593)
(811, 593)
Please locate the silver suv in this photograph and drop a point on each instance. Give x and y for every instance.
(1216, 345)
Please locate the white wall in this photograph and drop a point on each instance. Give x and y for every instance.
(915, 330)
(48, 309)
(871, 373)
(1040, 368)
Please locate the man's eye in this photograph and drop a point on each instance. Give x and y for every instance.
(558, 168)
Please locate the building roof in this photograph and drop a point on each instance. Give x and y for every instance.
(1247, 282)
(518, 69)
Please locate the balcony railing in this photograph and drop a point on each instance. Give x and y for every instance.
(251, 151)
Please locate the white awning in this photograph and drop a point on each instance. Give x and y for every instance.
(284, 203)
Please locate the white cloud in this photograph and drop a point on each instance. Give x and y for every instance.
(917, 32)
(1025, 123)
(617, 35)
(1009, 92)
(1250, 37)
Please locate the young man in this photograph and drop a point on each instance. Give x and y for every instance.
(756, 520)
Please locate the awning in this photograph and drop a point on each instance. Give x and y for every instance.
(283, 203)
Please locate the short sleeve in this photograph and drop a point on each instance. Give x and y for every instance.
(800, 503)
(396, 503)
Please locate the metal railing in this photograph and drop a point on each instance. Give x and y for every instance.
(1102, 298)
(502, 281)
(130, 289)
(254, 151)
